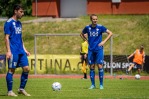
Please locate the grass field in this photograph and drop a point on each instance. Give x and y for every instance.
(76, 88)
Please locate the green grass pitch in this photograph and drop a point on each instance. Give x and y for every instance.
(40, 88)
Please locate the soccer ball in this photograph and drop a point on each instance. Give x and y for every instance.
(137, 76)
(56, 86)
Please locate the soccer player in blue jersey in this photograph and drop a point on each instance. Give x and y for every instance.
(95, 50)
(16, 53)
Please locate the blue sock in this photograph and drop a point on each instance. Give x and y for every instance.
(24, 78)
(92, 76)
(9, 80)
(101, 74)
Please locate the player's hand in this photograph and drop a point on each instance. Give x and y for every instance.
(28, 53)
(101, 44)
(85, 56)
(8, 55)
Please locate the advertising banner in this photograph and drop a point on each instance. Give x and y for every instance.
(72, 63)
(52, 64)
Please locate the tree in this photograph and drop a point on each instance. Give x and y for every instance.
(6, 7)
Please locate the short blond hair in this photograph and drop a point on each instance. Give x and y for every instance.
(92, 16)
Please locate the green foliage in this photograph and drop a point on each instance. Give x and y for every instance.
(40, 88)
(6, 6)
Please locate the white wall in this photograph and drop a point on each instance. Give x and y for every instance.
(73, 8)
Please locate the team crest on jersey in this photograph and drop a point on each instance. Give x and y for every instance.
(14, 23)
(93, 33)
(89, 28)
(97, 29)
(18, 30)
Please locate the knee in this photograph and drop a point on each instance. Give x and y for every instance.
(26, 69)
(12, 71)
(100, 66)
(92, 67)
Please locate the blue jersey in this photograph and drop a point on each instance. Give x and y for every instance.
(14, 29)
(94, 35)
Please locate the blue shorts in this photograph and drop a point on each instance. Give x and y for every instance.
(138, 66)
(95, 57)
(18, 60)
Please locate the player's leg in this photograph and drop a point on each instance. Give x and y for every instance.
(139, 71)
(83, 66)
(100, 57)
(84, 69)
(130, 67)
(85, 73)
(12, 62)
(23, 62)
(139, 67)
(92, 76)
(86, 62)
(91, 62)
(81, 57)
(101, 75)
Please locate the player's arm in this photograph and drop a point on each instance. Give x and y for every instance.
(144, 58)
(131, 55)
(107, 38)
(7, 43)
(28, 53)
(84, 37)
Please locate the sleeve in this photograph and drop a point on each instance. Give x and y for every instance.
(84, 31)
(7, 29)
(104, 29)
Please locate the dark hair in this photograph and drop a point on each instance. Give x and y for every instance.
(141, 47)
(17, 7)
(92, 16)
